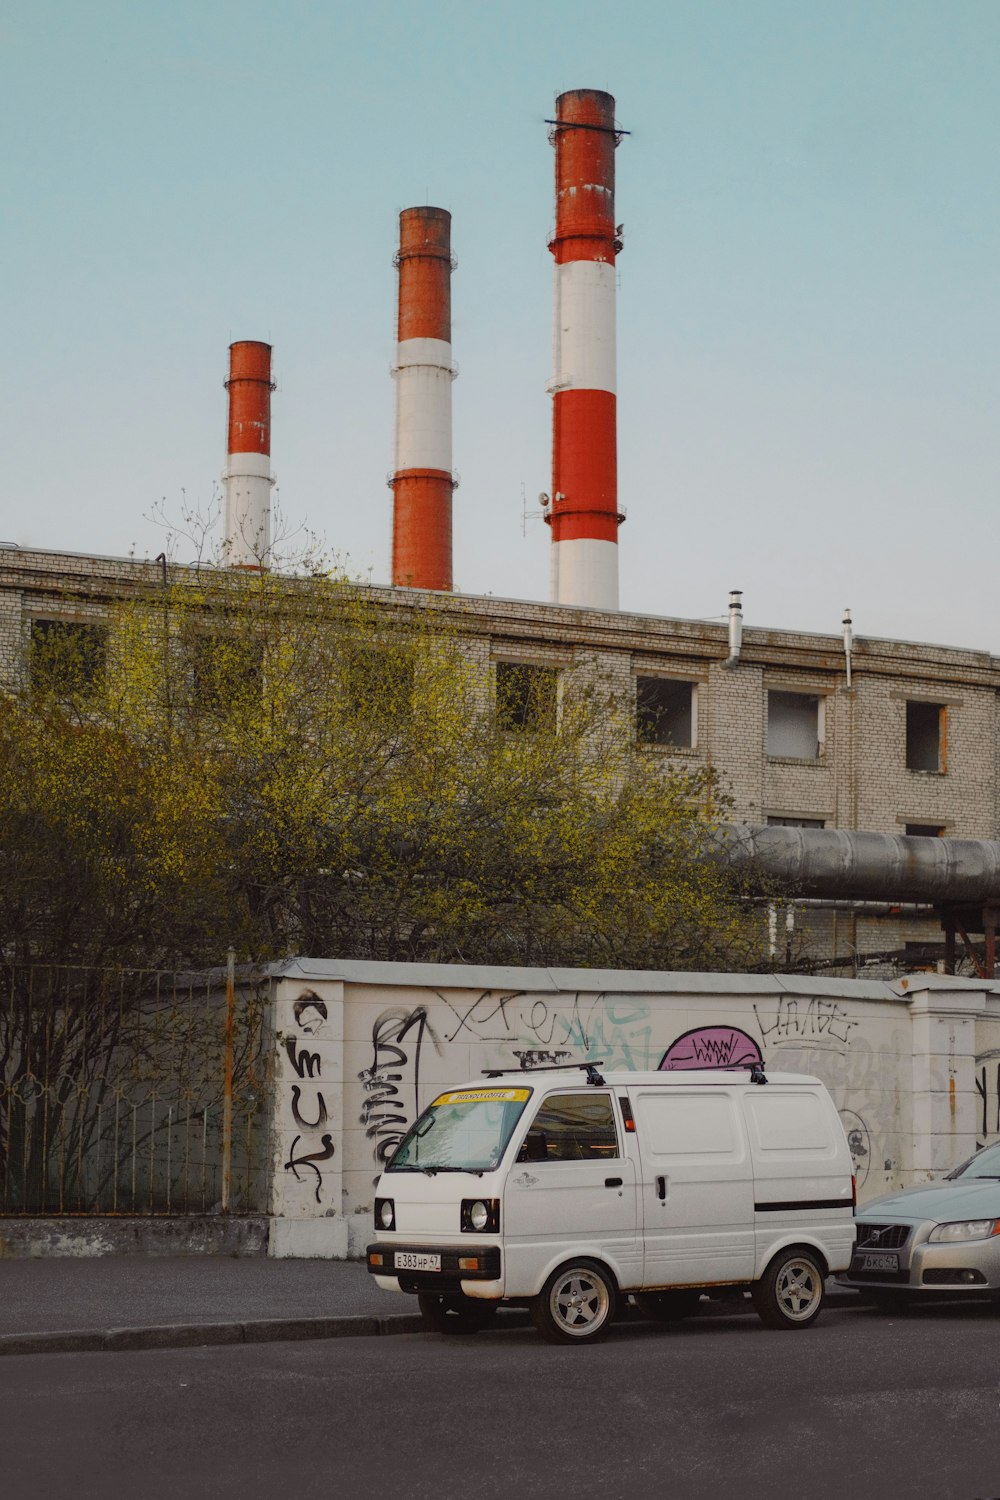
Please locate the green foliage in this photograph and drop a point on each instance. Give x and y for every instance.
(296, 764)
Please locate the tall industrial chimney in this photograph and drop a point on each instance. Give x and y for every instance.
(247, 479)
(422, 480)
(584, 514)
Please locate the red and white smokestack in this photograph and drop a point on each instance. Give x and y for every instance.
(247, 480)
(584, 514)
(422, 481)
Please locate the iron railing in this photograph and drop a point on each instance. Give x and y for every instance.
(132, 1092)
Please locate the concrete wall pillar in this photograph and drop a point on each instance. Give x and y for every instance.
(943, 1035)
(308, 1122)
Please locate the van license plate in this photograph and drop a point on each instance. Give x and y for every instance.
(871, 1262)
(406, 1260)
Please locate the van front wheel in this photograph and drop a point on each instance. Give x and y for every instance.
(576, 1305)
(790, 1292)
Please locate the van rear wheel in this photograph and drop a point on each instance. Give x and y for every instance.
(453, 1312)
(576, 1305)
(790, 1292)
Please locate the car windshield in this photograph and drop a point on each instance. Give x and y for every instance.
(464, 1131)
(985, 1163)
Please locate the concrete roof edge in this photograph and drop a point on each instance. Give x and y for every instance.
(614, 981)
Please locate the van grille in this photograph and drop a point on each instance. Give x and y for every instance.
(882, 1236)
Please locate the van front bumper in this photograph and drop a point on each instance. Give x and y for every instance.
(459, 1263)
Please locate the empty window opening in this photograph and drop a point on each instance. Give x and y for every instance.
(526, 696)
(926, 736)
(664, 711)
(377, 683)
(781, 822)
(794, 725)
(924, 831)
(66, 656)
(226, 667)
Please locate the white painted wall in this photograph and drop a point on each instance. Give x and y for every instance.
(913, 1065)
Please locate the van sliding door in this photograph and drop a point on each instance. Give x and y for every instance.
(696, 1190)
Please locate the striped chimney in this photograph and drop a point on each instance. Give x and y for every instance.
(247, 480)
(422, 481)
(584, 514)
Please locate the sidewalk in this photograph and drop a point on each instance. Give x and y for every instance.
(70, 1305)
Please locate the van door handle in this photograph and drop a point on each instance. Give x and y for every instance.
(661, 1189)
(612, 1182)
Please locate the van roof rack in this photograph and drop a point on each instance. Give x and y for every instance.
(757, 1074)
(590, 1068)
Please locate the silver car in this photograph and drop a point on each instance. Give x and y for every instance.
(943, 1237)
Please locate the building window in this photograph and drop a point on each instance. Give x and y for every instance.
(796, 822)
(225, 668)
(526, 697)
(924, 830)
(66, 656)
(926, 736)
(378, 683)
(794, 725)
(664, 711)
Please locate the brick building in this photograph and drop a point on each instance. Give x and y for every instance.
(910, 746)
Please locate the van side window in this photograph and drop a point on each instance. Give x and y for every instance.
(572, 1127)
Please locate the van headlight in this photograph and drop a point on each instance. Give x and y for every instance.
(385, 1213)
(480, 1215)
(964, 1229)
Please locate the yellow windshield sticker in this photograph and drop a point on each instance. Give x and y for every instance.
(484, 1096)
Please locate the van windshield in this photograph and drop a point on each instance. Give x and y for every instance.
(464, 1131)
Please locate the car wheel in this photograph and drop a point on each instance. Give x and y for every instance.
(790, 1292)
(576, 1304)
(667, 1307)
(453, 1312)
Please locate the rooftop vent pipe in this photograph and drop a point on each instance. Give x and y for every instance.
(422, 482)
(584, 514)
(848, 643)
(247, 479)
(735, 627)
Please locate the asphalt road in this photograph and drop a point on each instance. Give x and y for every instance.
(858, 1406)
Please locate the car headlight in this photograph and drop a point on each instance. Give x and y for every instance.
(964, 1229)
(479, 1214)
(385, 1213)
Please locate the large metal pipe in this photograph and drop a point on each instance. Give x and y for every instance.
(584, 514)
(422, 481)
(842, 863)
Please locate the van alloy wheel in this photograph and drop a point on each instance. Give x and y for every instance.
(576, 1304)
(790, 1292)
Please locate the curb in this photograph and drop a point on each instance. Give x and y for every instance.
(192, 1335)
(260, 1331)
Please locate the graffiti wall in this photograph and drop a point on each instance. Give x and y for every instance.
(358, 1061)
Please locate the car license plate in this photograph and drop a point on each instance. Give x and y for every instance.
(406, 1260)
(870, 1261)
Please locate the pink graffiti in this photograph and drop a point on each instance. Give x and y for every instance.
(711, 1047)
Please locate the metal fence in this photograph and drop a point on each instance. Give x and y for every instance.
(132, 1092)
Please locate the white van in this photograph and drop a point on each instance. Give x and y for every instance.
(564, 1189)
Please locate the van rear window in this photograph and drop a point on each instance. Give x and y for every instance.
(789, 1122)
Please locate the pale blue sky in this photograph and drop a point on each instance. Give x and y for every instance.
(809, 320)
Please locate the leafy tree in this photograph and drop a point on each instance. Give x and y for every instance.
(299, 764)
